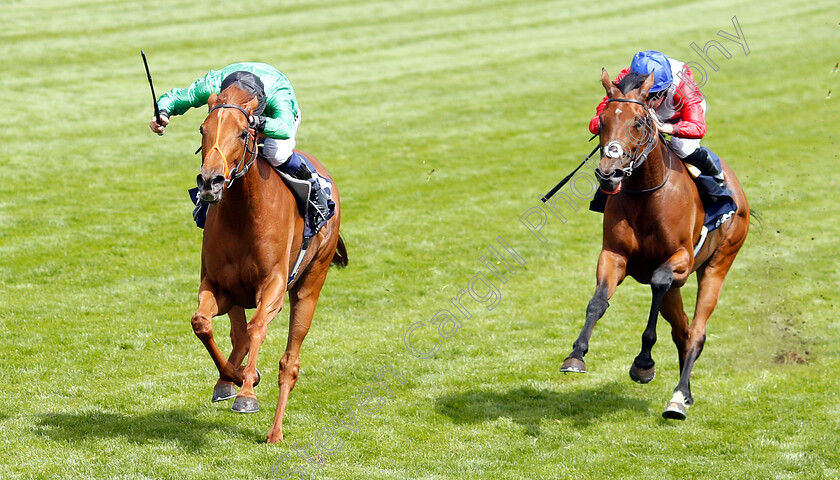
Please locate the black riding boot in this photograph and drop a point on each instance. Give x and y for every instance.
(317, 196)
(700, 159)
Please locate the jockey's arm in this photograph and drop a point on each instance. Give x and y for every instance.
(692, 119)
(279, 117)
(178, 100)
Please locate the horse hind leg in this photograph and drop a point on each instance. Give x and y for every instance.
(672, 310)
(643, 370)
(303, 299)
(710, 282)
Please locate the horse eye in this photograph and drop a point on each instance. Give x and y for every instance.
(244, 134)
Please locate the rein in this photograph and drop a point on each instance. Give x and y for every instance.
(242, 167)
(614, 150)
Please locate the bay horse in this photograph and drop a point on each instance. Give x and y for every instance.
(252, 236)
(652, 222)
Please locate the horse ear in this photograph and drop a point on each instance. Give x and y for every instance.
(252, 104)
(645, 88)
(612, 90)
(212, 101)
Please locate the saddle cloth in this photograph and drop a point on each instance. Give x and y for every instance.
(314, 217)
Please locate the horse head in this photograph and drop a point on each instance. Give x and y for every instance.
(228, 141)
(627, 133)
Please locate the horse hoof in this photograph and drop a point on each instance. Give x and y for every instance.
(676, 407)
(674, 411)
(245, 405)
(574, 365)
(642, 375)
(225, 391)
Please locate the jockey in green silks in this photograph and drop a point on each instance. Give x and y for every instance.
(277, 115)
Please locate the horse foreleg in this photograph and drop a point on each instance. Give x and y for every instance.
(611, 271)
(269, 303)
(303, 300)
(209, 305)
(643, 370)
(710, 281)
(224, 389)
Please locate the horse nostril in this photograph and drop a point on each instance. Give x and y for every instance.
(603, 176)
(218, 180)
(199, 181)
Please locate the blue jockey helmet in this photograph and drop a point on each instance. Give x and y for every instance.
(652, 61)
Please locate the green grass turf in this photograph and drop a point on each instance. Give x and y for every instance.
(442, 122)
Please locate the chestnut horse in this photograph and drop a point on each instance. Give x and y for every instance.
(252, 237)
(652, 222)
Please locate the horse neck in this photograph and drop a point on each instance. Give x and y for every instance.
(652, 172)
(242, 199)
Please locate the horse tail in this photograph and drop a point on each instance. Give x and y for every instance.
(340, 259)
(755, 215)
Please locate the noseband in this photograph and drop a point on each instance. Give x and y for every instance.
(614, 150)
(248, 155)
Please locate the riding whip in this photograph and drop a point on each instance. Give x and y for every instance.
(569, 176)
(154, 97)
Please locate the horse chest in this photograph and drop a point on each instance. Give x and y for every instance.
(647, 249)
(239, 276)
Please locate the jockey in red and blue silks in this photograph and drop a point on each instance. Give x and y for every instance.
(678, 104)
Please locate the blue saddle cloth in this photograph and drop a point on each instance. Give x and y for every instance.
(313, 217)
(718, 202)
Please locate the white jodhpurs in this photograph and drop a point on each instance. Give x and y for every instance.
(277, 151)
(684, 147)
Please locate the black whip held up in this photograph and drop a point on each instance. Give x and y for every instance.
(154, 97)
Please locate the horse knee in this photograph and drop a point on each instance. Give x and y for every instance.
(289, 368)
(257, 331)
(662, 279)
(649, 337)
(698, 342)
(202, 326)
(598, 304)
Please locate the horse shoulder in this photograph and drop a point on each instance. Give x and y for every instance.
(620, 236)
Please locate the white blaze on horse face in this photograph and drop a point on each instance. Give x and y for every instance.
(613, 149)
(617, 111)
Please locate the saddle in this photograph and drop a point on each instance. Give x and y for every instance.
(315, 215)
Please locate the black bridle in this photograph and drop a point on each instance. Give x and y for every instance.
(613, 150)
(249, 156)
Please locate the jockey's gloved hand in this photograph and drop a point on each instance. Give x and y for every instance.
(258, 122)
(159, 127)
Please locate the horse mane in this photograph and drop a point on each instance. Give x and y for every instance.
(631, 82)
(236, 95)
